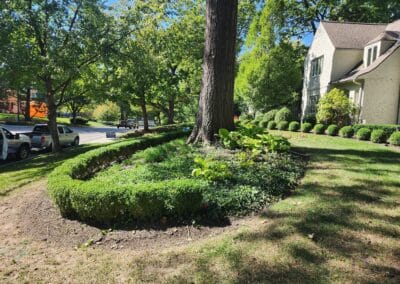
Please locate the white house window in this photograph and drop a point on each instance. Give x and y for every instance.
(372, 55)
(316, 66)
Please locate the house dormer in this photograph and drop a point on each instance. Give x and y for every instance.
(371, 53)
(380, 44)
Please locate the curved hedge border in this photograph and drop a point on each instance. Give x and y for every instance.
(97, 202)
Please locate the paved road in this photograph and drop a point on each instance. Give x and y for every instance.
(87, 134)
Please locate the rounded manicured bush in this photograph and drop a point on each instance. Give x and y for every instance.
(346, 132)
(284, 114)
(363, 134)
(263, 123)
(378, 136)
(332, 130)
(283, 125)
(294, 126)
(269, 116)
(395, 138)
(306, 127)
(319, 129)
(271, 125)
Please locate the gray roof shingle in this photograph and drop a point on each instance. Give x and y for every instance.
(352, 35)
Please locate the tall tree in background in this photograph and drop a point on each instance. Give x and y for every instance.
(65, 37)
(216, 97)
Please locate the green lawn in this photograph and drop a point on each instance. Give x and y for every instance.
(15, 175)
(341, 225)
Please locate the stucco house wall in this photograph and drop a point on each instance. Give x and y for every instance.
(321, 46)
(382, 92)
(344, 61)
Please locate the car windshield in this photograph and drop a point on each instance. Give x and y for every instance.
(41, 129)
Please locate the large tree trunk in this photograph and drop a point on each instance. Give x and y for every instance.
(27, 113)
(144, 113)
(171, 111)
(216, 97)
(52, 116)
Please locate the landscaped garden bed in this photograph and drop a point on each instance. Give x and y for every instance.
(159, 178)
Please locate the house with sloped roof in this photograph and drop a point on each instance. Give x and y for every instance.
(363, 60)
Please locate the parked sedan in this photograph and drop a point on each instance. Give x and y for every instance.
(14, 144)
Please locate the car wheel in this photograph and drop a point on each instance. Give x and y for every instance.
(76, 142)
(49, 148)
(23, 152)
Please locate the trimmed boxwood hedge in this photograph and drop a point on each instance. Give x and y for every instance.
(332, 130)
(294, 126)
(395, 138)
(378, 136)
(387, 128)
(106, 203)
(283, 125)
(263, 123)
(363, 134)
(319, 129)
(346, 132)
(271, 125)
(306, 127)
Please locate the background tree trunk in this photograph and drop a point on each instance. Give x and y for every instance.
(144, 113)
(28, 105)
(171, 111)
(216, 97)
(52, 116)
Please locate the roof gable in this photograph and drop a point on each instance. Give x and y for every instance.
(352, 35)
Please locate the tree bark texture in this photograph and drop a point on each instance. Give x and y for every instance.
(144, 113)
(52, 116)
(216, 97)
(171, 111)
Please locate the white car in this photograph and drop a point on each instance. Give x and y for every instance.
(41, 137)
(15, 144)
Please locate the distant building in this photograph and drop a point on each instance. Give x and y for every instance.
(363, 60)
(9, 104)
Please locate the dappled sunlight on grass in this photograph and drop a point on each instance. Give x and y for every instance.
(17, 174)
(342, 224)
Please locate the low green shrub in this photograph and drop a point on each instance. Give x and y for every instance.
(271, 125)
(186, 127)
(284, 114)
(387, 128)
(395, 138)
(294, 126)
(378, 136)
(270, 115)
(332, 130)
(306, 127)
(363, 134)
(283, 125)
(264, 123)
(346, 132)
(319, 129)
